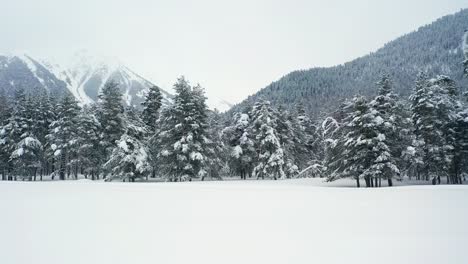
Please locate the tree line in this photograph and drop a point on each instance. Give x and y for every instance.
(374, 138)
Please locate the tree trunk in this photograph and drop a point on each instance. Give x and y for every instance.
(390, 182)
(358, 184)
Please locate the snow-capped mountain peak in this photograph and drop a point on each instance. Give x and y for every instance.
(87, 74)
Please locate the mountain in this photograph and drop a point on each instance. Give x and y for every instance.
(22, 71)
(84, 78)
(435, 48)
(86, 75)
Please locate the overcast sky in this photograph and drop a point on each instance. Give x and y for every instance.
(232, 48)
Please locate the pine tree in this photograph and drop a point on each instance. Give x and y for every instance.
(183, 138)
(110, 116)
(5, 111)
(355, 144)
(361, 151)
(89, 151)
(270, 159)
(387, 127)
(16, 129)
(129, 159)
(26, 156)
(44, 115)
(433, 111)
(242, 151)
(215, 147)
(4, 108)
(63, 137)
(151, 107)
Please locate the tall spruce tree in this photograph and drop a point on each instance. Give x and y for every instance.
(110, 116)
(63, 136)
(17, 127)
(89, 136)
(151, 107)
(433, 112)
(129, 159)
(5, 111)
(242, 150)
(270, 154)
(385, 105)
(183, 138)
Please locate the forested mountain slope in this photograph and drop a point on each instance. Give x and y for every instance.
(434, 48)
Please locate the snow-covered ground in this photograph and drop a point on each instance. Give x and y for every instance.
(292, 221)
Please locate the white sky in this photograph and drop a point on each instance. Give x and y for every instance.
(233, 48)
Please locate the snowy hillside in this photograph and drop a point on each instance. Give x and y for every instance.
(230, 222)
(218, 104)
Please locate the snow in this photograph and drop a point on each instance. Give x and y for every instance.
(291, 221)
(378, 120)
(213, 102)
(123, 145)
(31, 66)
(381, 137)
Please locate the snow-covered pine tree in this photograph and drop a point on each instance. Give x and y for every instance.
(5, 112)
(294, 141)
(110, 113)
(183, 138)
(63, 136)
(270, 159)
(361, 151)
(216, 150)
(433, 111)
(26, 157)
(129, 158)
(312, 141)
(357, 144)
(89, 151)
(449, 108)
(242, 150)
(44, 116)
(151, 107)
(17, 128)
(459, 166)
(388, 146)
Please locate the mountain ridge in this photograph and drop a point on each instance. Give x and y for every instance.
(434, 48)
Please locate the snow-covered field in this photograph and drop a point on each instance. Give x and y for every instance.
(292, 221)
